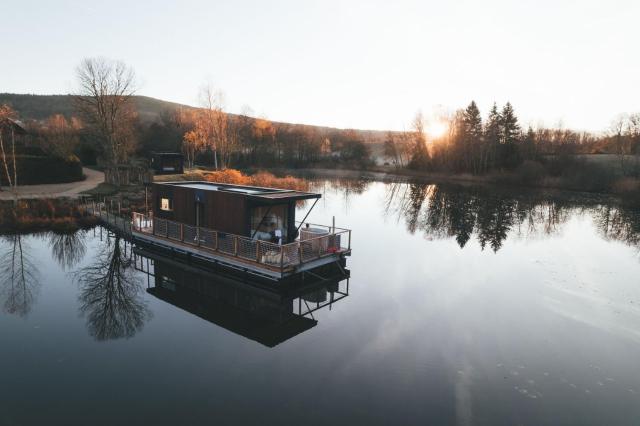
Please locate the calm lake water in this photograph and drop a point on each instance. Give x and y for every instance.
(464, 306)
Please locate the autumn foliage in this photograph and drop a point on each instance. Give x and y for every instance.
(263, 179)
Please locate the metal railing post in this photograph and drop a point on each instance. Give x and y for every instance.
(235, 245)
(258, 251)
(281, 258)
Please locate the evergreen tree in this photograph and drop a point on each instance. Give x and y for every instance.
(510, 136)
(529, 145)
(492, 133)
(510, 127)
(473, 137)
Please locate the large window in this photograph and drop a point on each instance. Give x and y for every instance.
(166, 204)
(269, 223)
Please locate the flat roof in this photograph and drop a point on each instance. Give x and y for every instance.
(254, 192)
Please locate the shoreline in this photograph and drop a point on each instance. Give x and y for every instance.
(404, 175)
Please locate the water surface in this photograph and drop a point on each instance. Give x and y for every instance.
(464, 306)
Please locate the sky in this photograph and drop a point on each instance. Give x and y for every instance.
(348, 64)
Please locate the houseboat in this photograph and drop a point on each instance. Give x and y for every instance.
(265, 314)
(244, 228)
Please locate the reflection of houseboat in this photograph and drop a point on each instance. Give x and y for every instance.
(264, 314)
(244, 228)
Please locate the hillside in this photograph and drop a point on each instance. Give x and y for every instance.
(39, 107)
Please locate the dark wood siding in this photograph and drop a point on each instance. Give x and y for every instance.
(223, 211)
(227, 212)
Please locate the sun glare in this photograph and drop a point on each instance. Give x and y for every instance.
(436, 129)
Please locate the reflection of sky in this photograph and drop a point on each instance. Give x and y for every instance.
(544, 329)
(554, 303)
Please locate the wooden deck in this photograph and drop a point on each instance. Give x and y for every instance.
(230, 251)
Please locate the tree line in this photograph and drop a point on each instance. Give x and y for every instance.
(498, 142)
(106, 127)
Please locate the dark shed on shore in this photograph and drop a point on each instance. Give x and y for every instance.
(167, 163)
(255, 212)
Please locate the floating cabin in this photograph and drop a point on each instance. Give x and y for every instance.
(241, 210)
(266, 315)
(167, 163)
(247, 228)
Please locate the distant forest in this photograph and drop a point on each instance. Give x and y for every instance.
(162, 126)
(210, 136)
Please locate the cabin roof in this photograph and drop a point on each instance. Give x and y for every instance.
(252, 192)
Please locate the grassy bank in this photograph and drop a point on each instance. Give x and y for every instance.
(58, 215)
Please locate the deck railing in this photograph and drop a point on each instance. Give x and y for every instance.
(274, 256)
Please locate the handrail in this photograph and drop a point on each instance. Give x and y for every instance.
(278, 256)
(323, 226)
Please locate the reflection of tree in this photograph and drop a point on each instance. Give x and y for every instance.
(443, 211)
(342, 186)
(619, 223)
(110, 294)
(495, 219)
(19, 278)
(67, 249)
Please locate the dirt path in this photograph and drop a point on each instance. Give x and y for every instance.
(56, 190)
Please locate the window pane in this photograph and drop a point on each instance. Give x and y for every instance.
(165, 204)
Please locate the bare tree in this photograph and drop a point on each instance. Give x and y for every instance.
(110, 294)
(19, 277)
(105, 101)
(618, 132)
(216, 122)
(68, 249)
(59, 135)
(8, 125)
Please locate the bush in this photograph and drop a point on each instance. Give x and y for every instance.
(583, 176)
(34, 170)
(41, 214)
(264, 179)
(530, 172)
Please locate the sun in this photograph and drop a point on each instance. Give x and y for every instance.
(436, 129)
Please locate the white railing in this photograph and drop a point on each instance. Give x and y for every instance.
(274, 256)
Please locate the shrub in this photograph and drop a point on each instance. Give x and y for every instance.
(264, 179)
(33, 215)
(34, 170)
(530, 172)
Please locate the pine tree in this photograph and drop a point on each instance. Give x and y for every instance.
(510, 126)
(473, 137)
(529, 145)
(492, 133)
(510, 137)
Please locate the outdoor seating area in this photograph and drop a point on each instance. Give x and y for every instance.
(325, 244)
